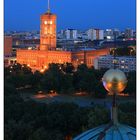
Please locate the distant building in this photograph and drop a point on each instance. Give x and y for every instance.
(23, 43)
(47, 52)
(8, 57)
(71, 34)
(68, 34)
(84, 36)
(116, 33)
(87, 56)
(129, 33)
(118, 43)
(95, 34)
(61, 34)
(124, 63)
(7, 46)
(108, 34)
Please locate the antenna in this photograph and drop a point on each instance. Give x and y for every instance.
(48, 6)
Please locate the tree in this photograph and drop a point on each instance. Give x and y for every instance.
(67, 84)
(131, 85)
(100, 91)
(127, 113)
(85, 79)
(125, 51)
(69, 68)
(36, 80)
(98, 116)
(43, 134)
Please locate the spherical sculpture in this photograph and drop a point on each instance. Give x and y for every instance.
(114, 81)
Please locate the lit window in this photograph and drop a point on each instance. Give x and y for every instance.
(50, 22)
(45, 22)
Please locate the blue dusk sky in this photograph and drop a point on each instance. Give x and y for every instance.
(24, 15)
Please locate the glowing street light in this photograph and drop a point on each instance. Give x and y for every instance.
(42, 70)
(45, 67)
(29, 48)
(131, 52)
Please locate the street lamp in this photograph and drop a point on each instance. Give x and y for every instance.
(42, 70)
(131, 52)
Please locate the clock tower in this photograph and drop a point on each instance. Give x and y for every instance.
(48, 30)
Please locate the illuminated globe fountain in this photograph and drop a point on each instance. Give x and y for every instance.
(114, 81)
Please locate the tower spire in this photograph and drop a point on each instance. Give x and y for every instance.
(48, 6)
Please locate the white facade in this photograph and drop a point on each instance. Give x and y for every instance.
(95, 34)
(71, 34)
(101, 34)
(109, 34)
(83, 35)
(116, 33)
(124, 63)
(129, 33)
(67, 34)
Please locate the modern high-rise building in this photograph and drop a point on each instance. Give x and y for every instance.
(71, 34)
(95, 34)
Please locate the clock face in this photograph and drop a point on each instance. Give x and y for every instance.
(45, 22)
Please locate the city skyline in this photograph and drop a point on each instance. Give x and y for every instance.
(28, 18)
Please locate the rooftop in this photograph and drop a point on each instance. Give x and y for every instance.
(109, 132)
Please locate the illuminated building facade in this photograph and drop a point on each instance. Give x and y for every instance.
(38, 59)
(124, 63)
(7, 46)
(46, 53)
(8, 58)
(87, 57)
(48, 32)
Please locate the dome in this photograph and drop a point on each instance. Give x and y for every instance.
(114, 80)
(109, 132)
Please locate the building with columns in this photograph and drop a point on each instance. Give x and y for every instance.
(46, 53)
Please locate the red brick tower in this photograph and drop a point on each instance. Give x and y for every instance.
(48, 30)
